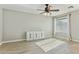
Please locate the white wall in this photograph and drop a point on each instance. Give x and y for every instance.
(1, 28)
(17, 23)
(75, 25)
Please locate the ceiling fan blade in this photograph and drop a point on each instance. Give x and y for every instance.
(40, 10)
(55, 10)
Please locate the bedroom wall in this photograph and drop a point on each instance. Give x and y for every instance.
(1, 28)
(75, 25)
(17, 23)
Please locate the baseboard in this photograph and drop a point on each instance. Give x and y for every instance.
(12, 41)
(75, 40)
(0, 43)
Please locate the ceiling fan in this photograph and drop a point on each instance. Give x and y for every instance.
(48, 9)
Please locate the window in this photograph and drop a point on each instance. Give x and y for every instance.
(61, 28)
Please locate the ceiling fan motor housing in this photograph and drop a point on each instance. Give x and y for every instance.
(46, 5)
(46, 9)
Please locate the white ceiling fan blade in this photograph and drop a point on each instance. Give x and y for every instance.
(40, 10)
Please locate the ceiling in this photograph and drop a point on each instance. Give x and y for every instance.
(32, 8)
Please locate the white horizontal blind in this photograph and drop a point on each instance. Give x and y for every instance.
(61, 28)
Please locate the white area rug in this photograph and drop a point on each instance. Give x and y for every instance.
(49, 44)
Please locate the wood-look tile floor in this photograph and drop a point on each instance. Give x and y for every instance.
(18, 47)
(27, 46)
(74, 47)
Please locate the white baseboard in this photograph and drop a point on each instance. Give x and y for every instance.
(0, 43)
(12, 41)
(75, 40)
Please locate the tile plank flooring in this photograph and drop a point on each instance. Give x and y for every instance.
(24, 46)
